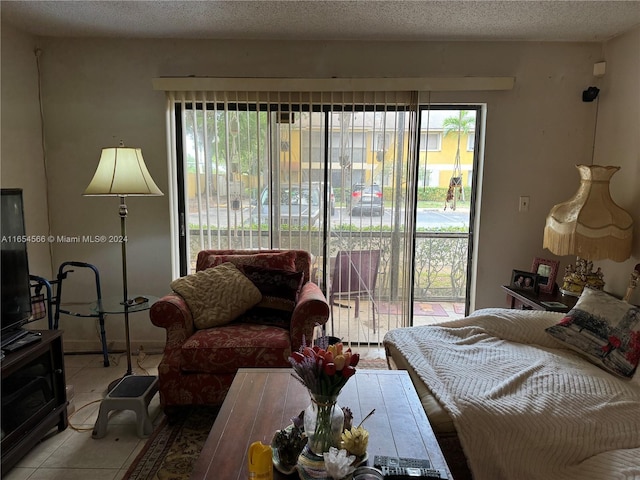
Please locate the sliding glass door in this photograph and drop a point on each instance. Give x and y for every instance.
(447, 171)
(338, 175)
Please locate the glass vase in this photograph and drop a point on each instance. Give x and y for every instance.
(323, 423)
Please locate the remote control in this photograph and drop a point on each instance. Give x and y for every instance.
(22, 342)
(403, 462)
(411, 473)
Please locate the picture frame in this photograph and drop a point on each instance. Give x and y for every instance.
(547, 271)
(525, 281)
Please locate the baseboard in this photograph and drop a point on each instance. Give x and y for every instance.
(90, 347)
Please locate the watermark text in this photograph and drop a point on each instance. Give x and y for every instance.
(63, 239)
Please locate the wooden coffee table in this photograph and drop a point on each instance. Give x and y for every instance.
(262, 401)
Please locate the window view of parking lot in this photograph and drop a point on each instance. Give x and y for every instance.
(338, 180)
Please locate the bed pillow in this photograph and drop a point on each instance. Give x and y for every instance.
(218, 295)
(280, 290)
(603, 329)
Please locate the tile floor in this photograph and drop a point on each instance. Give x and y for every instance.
(73, 454)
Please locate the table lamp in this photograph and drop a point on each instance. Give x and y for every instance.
(122, 172)
(591, 226)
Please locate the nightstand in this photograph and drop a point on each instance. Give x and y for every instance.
(523, 300)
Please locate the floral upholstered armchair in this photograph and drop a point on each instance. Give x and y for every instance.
(242, 308)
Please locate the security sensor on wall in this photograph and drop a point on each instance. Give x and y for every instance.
(590, 94)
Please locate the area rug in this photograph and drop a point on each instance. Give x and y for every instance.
(420, 309)
(173, 448)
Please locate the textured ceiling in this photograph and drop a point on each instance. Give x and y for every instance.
(526, 20)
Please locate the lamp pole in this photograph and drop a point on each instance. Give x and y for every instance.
(125, 294)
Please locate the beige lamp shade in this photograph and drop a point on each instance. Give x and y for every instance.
(590, 225)
(122, 172)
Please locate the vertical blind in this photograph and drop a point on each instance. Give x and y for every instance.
(262, 170)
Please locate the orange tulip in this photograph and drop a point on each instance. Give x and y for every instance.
(340, 362)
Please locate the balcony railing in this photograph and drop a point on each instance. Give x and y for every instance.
(440, 265)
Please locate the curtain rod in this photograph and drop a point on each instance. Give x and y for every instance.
(433, 84)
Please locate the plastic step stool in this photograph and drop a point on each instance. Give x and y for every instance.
(133, 392)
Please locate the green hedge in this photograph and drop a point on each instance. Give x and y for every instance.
(425, 194)
(438, 194)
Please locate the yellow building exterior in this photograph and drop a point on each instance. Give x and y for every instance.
(372, 160)
(362, 149)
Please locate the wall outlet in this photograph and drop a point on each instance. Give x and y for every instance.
(524, 204)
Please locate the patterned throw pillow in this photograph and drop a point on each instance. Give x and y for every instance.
(284, 260)
(603, 329)
(217, 296)
(280, 290)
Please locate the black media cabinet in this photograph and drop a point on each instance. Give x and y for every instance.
(34, 398)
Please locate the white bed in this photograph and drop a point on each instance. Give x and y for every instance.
(523, 406)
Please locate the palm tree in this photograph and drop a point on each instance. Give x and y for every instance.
(462, 124)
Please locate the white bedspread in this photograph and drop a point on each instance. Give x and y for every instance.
(523, 407)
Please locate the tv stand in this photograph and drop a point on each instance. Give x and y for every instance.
(34, 398)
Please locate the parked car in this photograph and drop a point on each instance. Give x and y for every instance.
(332, 196)
(366, 199)
(298, 206)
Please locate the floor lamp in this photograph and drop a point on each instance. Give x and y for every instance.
(122, 172)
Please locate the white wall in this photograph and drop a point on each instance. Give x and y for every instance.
(21, 157)
(618, 143)
(97, 92)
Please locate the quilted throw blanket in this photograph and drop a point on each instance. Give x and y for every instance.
(523, 406)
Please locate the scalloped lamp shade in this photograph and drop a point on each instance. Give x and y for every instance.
(590, 224)
(122, 172)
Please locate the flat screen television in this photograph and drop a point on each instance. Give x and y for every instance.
(16, 291)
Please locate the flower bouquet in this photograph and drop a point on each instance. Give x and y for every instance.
(323, 369)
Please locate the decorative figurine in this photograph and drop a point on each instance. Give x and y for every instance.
(581, 276)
